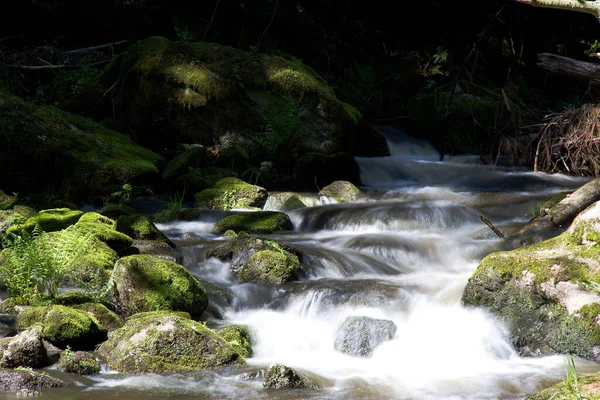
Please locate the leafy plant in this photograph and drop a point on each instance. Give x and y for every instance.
(34, 264)
(125, 193)
(182, 32)
(69, 354)
(572, 379)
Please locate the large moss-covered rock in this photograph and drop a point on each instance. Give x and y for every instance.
(270, 267)
(48, 151)
(6, 201)
(105, 317)
(342, 191)
(547, 293)
(232, 193)
(146, 283)
(64, 326)
(139, 227)
(239, 337)
(105, 231)
(184, 214)
(589, 389)
(175, 92)
(24, 380)
(78, 362)
(27, 349)
(255, 222)
(9, 218)
(51, 220)
(167, 343)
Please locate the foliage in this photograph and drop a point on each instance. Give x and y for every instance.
(182, 32)
(572, 378)
(129, 191)
(35, 263)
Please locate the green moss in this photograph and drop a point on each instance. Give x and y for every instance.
(239, 337)
(105, 317)
(167, 343)
(589, 389)
(232, 193)
(342, 191)
(145, 283)
(270, 267)
(184, 214)
(9, 218)
(98, 218)
(49, 220)
(117, 241)
(115, 210)
(6, 201)
(25, 211)
(78, 362)
(64, 326)
(194, 157)
(257, 222)
(141, 228)
(163, 313)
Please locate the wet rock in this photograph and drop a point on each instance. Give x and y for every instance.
(292, 203)
(116, 210)
(105, 317)
(255, 222)
(144, 283)
(545, 293)
(279, 376)
(239, 337)
(157, 249)
(64, 326)
(78, 362)
(232, 193)
(24, 350)
(28, 380)
(359, 336)
(342, 191)
(165, 343)
(270, 267)
(27, 393)
(141, 228)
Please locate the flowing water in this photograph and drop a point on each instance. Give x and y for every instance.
(404, 253)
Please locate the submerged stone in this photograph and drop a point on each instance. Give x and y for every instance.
(255, 222)
(342, 191)
(359, 336)
(279, 376)
(78, 362)
(270, 267)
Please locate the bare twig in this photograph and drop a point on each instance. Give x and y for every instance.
(102, 46)
(62, 66)
(269, 25)
(492, 227)
(212, 18)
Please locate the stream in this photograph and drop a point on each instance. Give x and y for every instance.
(403, 253)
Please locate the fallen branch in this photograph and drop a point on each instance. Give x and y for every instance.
(492, 227)
(102, 46)
(571, 68)
(63, 66)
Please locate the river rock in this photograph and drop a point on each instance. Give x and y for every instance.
(546, 293)
(105, 317)
(157, 249)
(6, 201)
(164, 343)
(145, 283)
(78, 362)
(9, 218)
(292, 203)
(27, 349)
(64, 326)
(255, 222)
(232, 193)
(29, 380)
(139, 227)
(342, 191)
(359, 336)
(270, 267)
(279, 376)
(239, 337)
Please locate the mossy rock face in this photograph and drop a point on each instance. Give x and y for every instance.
(279, 376)
(75, 158)
(105, 317)
(342, 191)
(589, 388)
(168, 90)
(106, 233)
(49, 220)
(145, 283)
(65, 326)
(9, 218)
(321, 169)
(164, 343)
(7, 201)
(78, 362)
(184, 214)
(26, 380)
(141, 228)
(255, 222)
(239, 337)
(114, 211)
(232, 193)
(545, 293)
(194, 157)
(24, 350)
(270, 267)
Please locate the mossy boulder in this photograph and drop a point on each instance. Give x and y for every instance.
(115, 210)
(239, 337)
(279, 376)
(105, 231)
(49, 220)
(78, 362)
(105, 317)
(169, 90)
(546, 293)
(6, 201)
(232, 193)
(589, 388)
(270, 267)
(64, 326)
(27, 349)
(146, 283)
(194, 157)
(29, 380)
(255, 222)
(139, 227)
(342, 191)
(315, 170)
(164, 343)
(184, 214)
(9, 218)
(48, 151)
